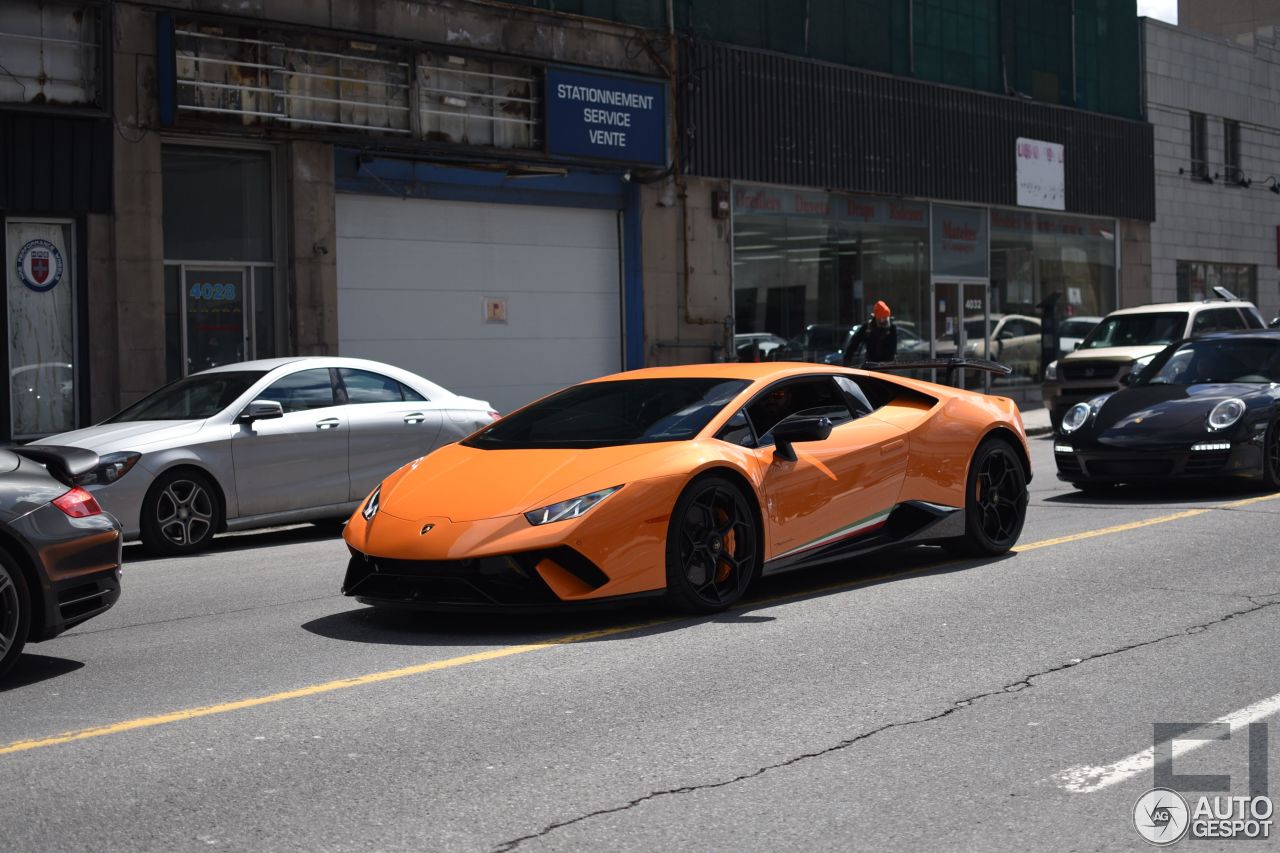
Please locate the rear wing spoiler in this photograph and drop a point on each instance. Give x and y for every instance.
(950, 365)
(65, 463)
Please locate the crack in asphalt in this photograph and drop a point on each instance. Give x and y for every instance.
(1257, 602)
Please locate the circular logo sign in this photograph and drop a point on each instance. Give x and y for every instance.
(1161, 816)
(40, 265)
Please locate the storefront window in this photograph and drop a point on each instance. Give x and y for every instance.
(220, 299)
(1035, 255)
(808, 266)
(1197, 279)
(40, 301)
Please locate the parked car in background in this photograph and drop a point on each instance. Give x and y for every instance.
(761, 346)
(1131, 337)
(817, 343)
(1015, 341)
(1202, 409)
(265, 442)
(1073, 330)
(59, 552)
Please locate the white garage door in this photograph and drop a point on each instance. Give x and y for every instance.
(414, 276)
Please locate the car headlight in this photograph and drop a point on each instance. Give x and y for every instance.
(371, 505)
(1076, 417)
(110, 468)
(1226, 413)
(572, 508)
(1051, 372)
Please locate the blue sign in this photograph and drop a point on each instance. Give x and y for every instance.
(604, 117)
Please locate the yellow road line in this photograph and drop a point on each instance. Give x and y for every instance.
(1134, 525)
(569, 639)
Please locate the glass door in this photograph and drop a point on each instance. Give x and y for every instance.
(40, 300)
(962, 325)
(213, 321)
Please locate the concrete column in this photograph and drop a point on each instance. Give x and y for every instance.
(313, 271)
(102, 361)
(1135, 263)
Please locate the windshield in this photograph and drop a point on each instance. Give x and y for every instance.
(1137, 330)
(607, 414)
(194, 398)
(1201, 362)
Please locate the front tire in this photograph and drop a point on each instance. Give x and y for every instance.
(995, 506)
(15, 612)
(1271, 458)
(181, 513)
(713, 546)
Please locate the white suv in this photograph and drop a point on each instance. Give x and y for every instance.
(1133, 335)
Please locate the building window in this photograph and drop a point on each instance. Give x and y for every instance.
(51, 52)
(221, 299)
(1199, 147)
(1231, 151)
(1196, 280)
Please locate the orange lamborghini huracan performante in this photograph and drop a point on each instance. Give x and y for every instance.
(691, 482)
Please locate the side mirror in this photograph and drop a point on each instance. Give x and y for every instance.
(789, 432)
(261, 410)
(1076, 345)
(1129, 377)
(1275, 323)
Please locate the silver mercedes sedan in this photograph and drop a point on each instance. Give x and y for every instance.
(262, 443)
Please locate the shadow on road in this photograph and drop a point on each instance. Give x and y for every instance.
(32, 669)
(418, 628)
(1164, 493)
(226, 543)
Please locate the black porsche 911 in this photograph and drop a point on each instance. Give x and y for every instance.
(59, 552)
(1203, 408)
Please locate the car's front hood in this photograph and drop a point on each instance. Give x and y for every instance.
(132, 435)
(467, 484)
(1162, 414)
(1112, 353)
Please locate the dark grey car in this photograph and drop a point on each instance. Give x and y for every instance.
(59, 552)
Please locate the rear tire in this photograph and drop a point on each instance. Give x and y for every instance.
(995, 505)
(181, 513)
(15, 612)
(713, 546)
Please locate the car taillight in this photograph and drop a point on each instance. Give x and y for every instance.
(78, 503)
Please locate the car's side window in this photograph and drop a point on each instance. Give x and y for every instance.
(814, 397)
(298, 392)
(363, 386)
(737, 430)
(1251, 320)
(1217, 320)
(1229, 318)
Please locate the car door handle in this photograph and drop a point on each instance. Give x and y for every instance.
(328, 423)
(415, 418)
(896, 444)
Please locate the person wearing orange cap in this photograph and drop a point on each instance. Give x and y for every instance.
(878, 335)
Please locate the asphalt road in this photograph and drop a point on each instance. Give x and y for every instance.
(235, 701)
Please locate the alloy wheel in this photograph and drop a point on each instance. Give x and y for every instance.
(1273, 452)
(184, 512)
(717, 545)
(10, 615)
(999, 496)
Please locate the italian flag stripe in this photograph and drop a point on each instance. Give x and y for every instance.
(865, 525)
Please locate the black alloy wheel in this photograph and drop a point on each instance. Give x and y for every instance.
(180, 514)
(995, 501)
(1271, 458)
(15, 612)
(712, 546)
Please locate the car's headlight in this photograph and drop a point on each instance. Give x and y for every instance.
(1051, 372)
(371, 505)
(1076, 417)
(572, 508)
(110, 468)
(1226, 413)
